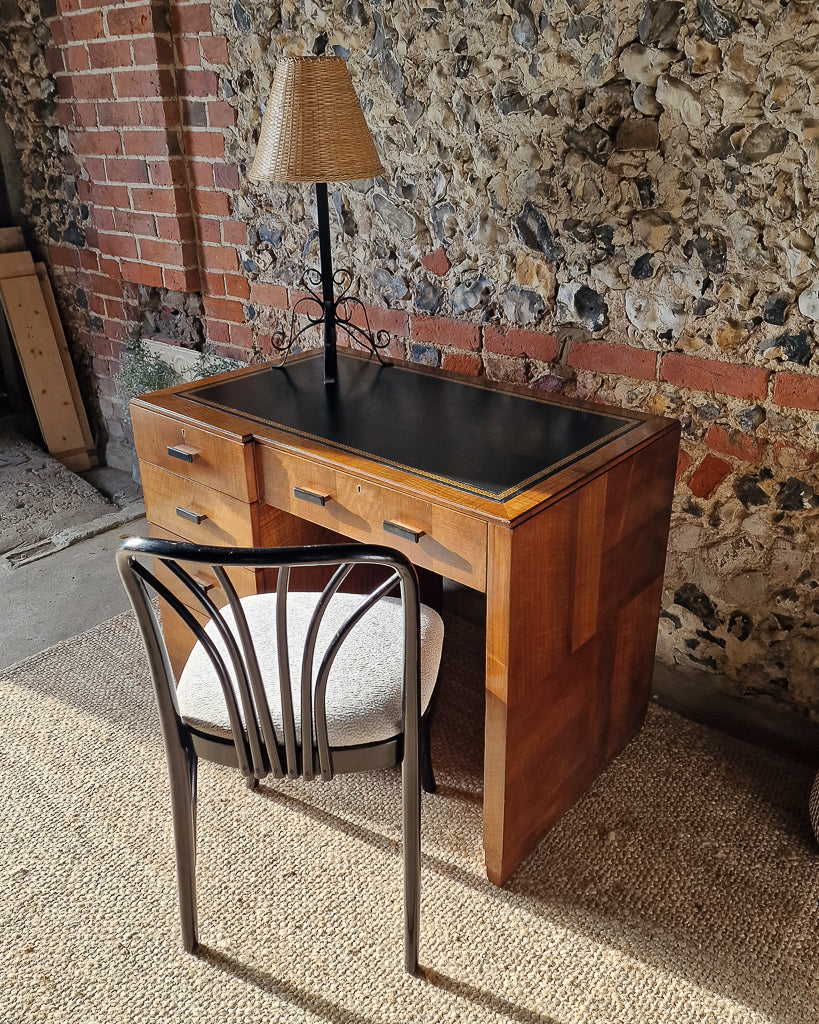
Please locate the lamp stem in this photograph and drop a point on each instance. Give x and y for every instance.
(327, 296)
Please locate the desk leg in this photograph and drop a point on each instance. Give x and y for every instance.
(573, 600)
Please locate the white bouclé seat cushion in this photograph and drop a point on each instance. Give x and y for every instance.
(365, 685)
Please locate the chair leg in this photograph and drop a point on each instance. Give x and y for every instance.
(411, 809)
(427, 774)
(182, 769)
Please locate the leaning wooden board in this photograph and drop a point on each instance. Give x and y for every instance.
(48, 371)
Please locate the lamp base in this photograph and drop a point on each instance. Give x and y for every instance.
(346, 313)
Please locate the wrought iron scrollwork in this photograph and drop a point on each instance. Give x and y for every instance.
(345, 306)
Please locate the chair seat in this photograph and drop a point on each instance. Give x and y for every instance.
(364, 691)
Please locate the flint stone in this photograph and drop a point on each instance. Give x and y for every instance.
(712, 251)
(521, 306)
(533, 230)
(750, 419)
(715, 21)
(795, 495)
(661, 22)
(809, 302)
(592, 141)
(74, 235)
(440, 214)
(241, 18)
(645, 100)
(389, 286)
(468, 296)
(749, 492)
(776, 306)
(643, 66)
(428, 296)
(637, 133)
(272, 236)
(764, 141)
(579, 304)
(694, 600)
(509, 100)
(426, 355)
(393, 216)
(796, 348)
(643, 269)
(654, 312)
(524, 30)
(675, 95)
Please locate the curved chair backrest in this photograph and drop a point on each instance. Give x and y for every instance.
(293, 742)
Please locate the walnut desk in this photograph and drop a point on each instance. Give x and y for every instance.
(558, 510)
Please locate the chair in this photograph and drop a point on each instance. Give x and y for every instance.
(288, 684)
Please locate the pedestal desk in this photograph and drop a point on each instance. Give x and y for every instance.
(558, 510)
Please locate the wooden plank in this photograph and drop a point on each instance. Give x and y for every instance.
(27, 316)
(15, 264)
(11, 240)
(65, 356)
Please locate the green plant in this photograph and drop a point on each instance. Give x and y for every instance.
(142, 371)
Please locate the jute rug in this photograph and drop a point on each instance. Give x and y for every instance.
(684, 886)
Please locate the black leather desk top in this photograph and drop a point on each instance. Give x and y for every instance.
(465, 435)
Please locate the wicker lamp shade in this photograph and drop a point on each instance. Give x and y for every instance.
(313, 129)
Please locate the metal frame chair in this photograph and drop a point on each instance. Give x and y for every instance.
(252, 744)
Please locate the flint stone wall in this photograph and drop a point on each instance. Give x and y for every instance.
(614, 200)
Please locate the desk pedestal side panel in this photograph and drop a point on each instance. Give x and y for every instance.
(573, 606)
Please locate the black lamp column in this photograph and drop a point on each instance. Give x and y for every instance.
(327, 296)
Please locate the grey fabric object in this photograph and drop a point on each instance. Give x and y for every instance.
(364, 690)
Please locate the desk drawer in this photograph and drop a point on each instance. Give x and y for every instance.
(175, 504)
(245, 581)
(432, 536)
(195, 454)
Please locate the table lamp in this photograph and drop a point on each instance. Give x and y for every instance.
(314, 131)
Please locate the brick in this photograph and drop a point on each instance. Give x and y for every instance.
(218, 333)
(448, 333)
(96, 143)
(462, 362)
(734, 443)
(221, 114)
(76, 57)
(237, 287)
(127, 170)
(188, 52)
(683, 462)
(154, 49)
(796, 390)
(158, 200)
(176, 229)
(145, 142)
(794, 458)
(194, 113)
(519, 343)
(104, 219)
(213, 284)
(201, 174)
(168, 172)
(215, 49)
(135, 223)
(104, 283)
(437, 262)
(110, 195)
(156, 250)
(708, 476)
(144, 82)
(273, 295)
(129, 21)
(218, 257)
(394, 321)
(118, 245)
(54, 59)
(110, 54)
(197, 82)
(89, 260)
(85, 116)
(142, 273)
(224, 309)
(158, 113)
(215, 204)
(242, 336)
(619, 359)
(714, 376)
(205, 144)
(118, 115)
(93, 86)
(95, 166)
(226, 175)
(81, 28)
(234, 232)
(210, 230)
(190, 19)
(186, 280)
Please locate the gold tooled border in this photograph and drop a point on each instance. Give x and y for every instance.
(625, 426)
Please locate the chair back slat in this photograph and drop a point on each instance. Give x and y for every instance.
(267, 742)
(308, 657)
(285, 682)
(320, 695)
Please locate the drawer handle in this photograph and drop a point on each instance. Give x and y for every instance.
(311, 496)
(404, 532)
(183, 452)
(190, 515)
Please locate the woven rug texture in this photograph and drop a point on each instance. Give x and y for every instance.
(684, 886)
